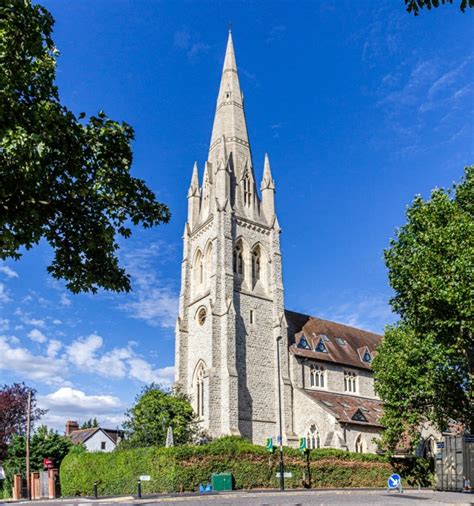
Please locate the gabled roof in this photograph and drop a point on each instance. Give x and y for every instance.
(345, 345)
(347, 408)
(82, 435)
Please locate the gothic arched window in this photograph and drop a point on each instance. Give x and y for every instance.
(350, 381)
(256, 265)
(238, 260)
(208, 264)
(198, 269)
(317, 379)
(247, 189)
(199, 391)
(359, 447)
(313, 438)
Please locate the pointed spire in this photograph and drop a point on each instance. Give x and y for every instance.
(229, 119)
(194, 186)
(267, 181)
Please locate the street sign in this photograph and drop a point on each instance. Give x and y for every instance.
(394, 481)
(269, 445)
(145, 477)
(302, 445)
(285, 475)
(48, 463)
(440, 445)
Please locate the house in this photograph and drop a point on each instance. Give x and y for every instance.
(95, 439)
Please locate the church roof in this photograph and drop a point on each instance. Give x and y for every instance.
(349, 408)
(328, 341)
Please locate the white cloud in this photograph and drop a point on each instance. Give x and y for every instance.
(64, 300)
(369, 312)
(152, 300)
(37, 336)
(4, 294)
(28, 365)
(4, 324)
(9, 272)
(69, 403)
(53, 347)
(143, 371)
(27, 320)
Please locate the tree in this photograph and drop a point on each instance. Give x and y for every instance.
(13, 412)
(44, 444)
(155, 410)
(416, 5)
(424, 365)
(90, 424)
(62, 178)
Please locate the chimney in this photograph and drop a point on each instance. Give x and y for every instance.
(71, 426)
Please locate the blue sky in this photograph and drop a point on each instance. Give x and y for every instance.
(360, 107)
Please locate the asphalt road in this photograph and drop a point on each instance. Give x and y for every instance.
(275, 498)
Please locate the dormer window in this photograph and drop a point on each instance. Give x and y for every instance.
(303, 343)
(367, 357)
(358, 416)
(321, 347)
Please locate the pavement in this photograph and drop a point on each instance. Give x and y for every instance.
(371, 497)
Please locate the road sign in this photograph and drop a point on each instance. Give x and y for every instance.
(302, 445)
(269, 445)
(285, 475)
(394, 481)
(48, 463)
(145, 477)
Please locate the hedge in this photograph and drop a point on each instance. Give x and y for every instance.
(183, 468)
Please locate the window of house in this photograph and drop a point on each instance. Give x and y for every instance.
(341, 341)
(367, 357)
(358, 416)
(102, 445)
(317, 376)
(313, 438)
(350, 381)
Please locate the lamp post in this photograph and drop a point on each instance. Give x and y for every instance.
(282, 467)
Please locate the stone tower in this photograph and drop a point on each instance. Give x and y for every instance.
(231, 311)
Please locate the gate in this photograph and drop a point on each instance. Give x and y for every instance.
(455, 463)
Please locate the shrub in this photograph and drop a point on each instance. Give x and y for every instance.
(183, 468)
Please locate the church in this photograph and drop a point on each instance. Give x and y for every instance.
(242, 357)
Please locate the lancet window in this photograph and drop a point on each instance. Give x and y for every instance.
(256, 265)
(317, 377)
(247, 189)
(199, 391)
(313, 438)
(350, 381)
(238, 260)
(359, 448)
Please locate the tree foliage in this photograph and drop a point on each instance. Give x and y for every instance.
(44, 444)
(424, 365)
(416, 5)
(90, 424)
(62, 178)
(155, 410)
(13, 412)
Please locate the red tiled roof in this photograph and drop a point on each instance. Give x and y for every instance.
(357, 341)
(345, 407)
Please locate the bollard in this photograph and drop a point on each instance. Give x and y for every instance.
(139, 489)
(95, 490)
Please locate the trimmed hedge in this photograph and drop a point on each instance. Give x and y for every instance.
(183, 468)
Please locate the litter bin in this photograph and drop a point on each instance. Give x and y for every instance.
(222, 481)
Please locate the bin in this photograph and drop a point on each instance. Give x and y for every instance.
(222, 481)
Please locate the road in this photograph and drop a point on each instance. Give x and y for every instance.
(276, 498)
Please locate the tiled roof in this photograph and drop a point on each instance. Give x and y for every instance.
(349, 408)
(82, 435)
(345, 345)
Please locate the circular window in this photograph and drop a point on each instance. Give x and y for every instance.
(201, 316)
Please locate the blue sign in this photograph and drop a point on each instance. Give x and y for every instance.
(394, 481)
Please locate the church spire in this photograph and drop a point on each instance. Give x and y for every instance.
(229, 119)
